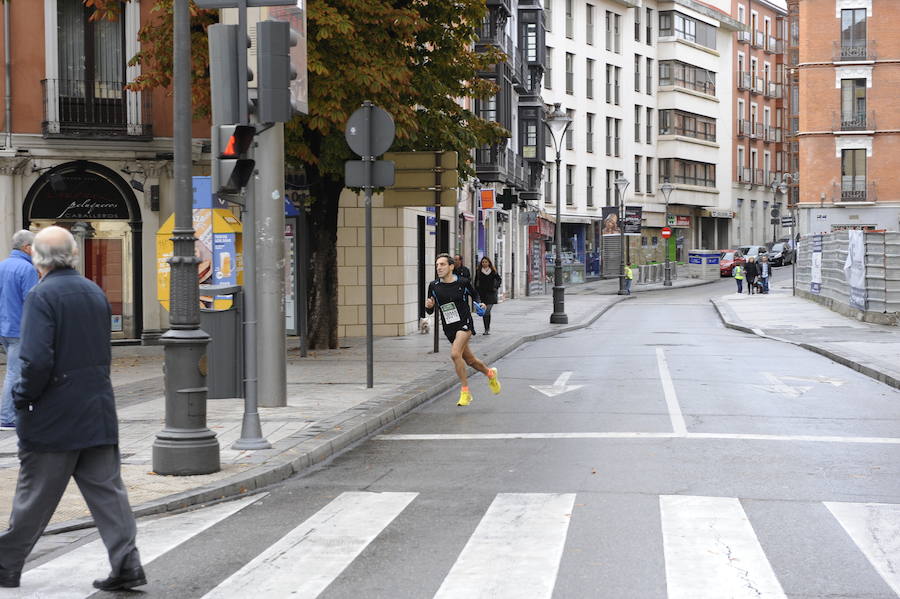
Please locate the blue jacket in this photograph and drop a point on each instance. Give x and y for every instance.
(64, 397)
(17, 277)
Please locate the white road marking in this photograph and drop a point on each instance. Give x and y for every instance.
(307, 559)
(515, 550)
(778, 386)
(815, 379)
(711, 551)
(70, 576)
(558, 387)
(675, 414)
(635, 435)
(875, 528)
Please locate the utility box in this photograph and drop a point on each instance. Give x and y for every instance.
(225, 352)
(703, 264)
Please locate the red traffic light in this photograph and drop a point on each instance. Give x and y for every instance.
(236, 140)
(666, 232)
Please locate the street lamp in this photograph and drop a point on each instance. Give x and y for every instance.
(621, 185)
(776, 187)
(558, 122)
(666, 189)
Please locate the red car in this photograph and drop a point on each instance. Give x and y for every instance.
(727, 261)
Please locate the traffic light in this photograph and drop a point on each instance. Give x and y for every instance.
(274, 40)
(226, 86)
(232, 168)
(507, 199)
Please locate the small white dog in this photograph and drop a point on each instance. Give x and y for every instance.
(425, 325)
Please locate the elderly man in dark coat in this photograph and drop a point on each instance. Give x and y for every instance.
(67, 423)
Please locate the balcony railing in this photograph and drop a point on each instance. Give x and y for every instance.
(759, 85)
(773, 134)
(774, 45)
(494, 36)
(863, 50)
(759, 39)
(759, 131)
(95, 109)
(744, 37)
(854, 121)
(745, 174)
(759, 177)
(773, 90)
(745, 80)
(856, 190)
(744, 129)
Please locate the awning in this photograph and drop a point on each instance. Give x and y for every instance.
(580, 220)
(467, 216)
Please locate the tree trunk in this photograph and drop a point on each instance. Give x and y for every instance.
(323, 285)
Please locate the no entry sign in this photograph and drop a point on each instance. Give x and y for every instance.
(666, 232)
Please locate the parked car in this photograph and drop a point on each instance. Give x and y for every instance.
(753, 251)
(727, 261)
(780, 254)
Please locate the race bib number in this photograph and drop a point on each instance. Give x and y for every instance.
(450, 313)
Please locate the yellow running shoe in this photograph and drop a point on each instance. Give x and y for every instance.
(493, 381)
(465, 398)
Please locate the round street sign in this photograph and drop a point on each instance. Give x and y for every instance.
(666, 232)
(370, 131)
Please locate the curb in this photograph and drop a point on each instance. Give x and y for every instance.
(329, 437)
(732, 321)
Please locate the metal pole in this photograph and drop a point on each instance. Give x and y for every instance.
(303, 277)
(667, 281)
(271, 364)
(368, 162)
(622, 239)
(437, 250)
(559, 315)
(185, 446)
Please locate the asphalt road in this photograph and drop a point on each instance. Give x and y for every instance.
(655, 454)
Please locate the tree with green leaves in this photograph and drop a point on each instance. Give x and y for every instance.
(414, 58)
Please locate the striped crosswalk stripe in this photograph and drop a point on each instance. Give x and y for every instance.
(875, 528)
(55, 579)
(307, 559)
(711, 551)
(515, 550)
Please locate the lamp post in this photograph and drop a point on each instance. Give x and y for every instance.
(795, 246)
(621, 186)
(666, 189)
(558, 122)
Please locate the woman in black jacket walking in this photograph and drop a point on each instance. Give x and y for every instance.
(487, 282)
(752, 271)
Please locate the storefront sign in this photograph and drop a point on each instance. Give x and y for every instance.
(633, 220)
(676, 220)
(487, 199)
(78, 194)
(713, 213)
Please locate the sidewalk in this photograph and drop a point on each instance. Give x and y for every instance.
(329, 406)
(871, 349)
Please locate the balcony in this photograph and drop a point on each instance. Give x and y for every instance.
(855, 190)
(95, 109)
(774, 45)
(759, 39)
(860, 51)
(745, 175)
(492, 35)
(773, 134)
(759, 177)
(500, 164)
(744, 129)
(773, 90)
(759, 85)
(745, 80)
(853, 121)
(743, 37)
(758, 132)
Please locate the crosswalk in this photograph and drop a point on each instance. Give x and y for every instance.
(710, 549)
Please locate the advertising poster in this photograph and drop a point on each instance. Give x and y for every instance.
(633, 220)
(610, 221)
(855, 268)
(815, 271)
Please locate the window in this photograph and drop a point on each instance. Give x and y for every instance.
(548, 186)
(589, 134)
(548, 71)
(637, 174)
(487, 108)
(548, 15)
(609, 134)
(609, 31)
(742, 14)
(617, 142)
(673, 23)
(570, 132)
(617, 32)
(649, 134)
(853, 32)
(650, 176)
(589, 24)
(531, 42)
(681, 74)
(741, 155)
(649, 88)
(589, 195)
(609, 83)
(637, 24)
(589, 78)
(530, 139)
(618, 75)
(637, 124)
(687, 124)
(570, 73)
(649, 23)
(570, 184)
(853, 104)
(687, 172)
(637, 72)
(853, 174)
(570, 21)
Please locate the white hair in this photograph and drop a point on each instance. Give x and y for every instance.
(22, 238)
(53, 248)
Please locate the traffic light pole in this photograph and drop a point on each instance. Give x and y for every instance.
(185, 446)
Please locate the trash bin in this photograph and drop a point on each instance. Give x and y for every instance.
(225, 352)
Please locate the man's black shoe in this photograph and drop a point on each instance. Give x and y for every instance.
(127, 579)
(9, 578)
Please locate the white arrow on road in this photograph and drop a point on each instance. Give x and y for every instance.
(817, 379)
(558, 387)
(777, 386)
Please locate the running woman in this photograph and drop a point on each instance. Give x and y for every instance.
(450, 293)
